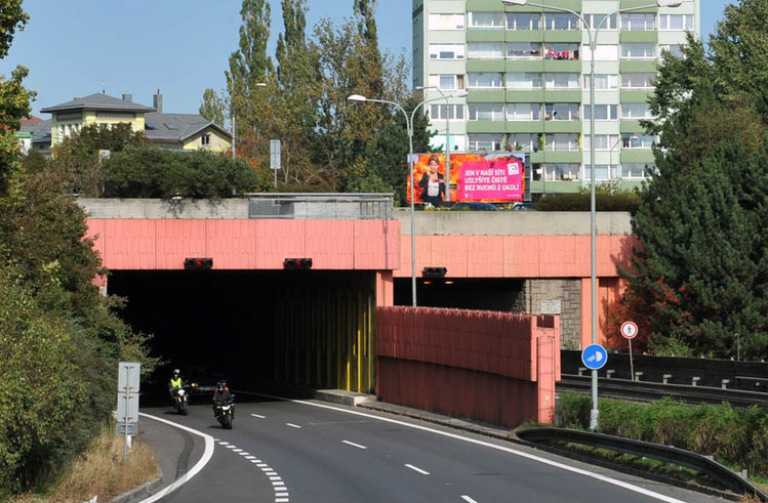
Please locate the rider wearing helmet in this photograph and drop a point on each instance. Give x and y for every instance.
(221, 395)
(176, 382)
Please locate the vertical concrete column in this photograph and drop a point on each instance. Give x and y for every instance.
(546, 365)
(385, 288)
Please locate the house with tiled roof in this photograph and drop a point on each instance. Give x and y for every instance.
(170, 131)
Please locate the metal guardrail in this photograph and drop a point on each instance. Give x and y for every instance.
(321, 206)
(702, 464)
(646, 391)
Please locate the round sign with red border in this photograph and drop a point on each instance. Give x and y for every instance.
(629, 329)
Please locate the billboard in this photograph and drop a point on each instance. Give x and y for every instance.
(493, 178)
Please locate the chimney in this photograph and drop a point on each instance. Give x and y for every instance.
(127, 97)
(158, 102)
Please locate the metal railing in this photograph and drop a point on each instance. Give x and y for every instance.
(702, 464)
(321, 206)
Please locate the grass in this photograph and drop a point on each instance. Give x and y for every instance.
(102, 471)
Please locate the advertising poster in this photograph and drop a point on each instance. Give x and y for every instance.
(493, 178)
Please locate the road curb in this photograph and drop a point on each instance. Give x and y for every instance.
(140, 492)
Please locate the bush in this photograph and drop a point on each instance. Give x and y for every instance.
(619, 201)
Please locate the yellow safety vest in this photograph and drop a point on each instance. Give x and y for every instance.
(176, 383)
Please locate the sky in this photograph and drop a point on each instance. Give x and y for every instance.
(75, 48)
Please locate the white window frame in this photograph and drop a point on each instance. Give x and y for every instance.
(480, 50)
(487, 20)
(606, 82)
(446, 22)
(534, 21)
(490, 142)
(611, 112)
(437, 50)
(523, 112)
(530, 78)
(493, 112)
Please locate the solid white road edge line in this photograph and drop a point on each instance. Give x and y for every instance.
(597, 476)
(207, 454)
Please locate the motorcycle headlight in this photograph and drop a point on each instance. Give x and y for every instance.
(181, 392)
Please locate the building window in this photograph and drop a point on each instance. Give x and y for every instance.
(602, 53)
(560, 172)
(602, 112)
(638, 51)
(637, 170)
(675, 49)
(449, 82)
(561, 112)
(594, 21)
(446, 51)
(486, 20)
(523, 112)
(523, 21)
(487, 142)
(637, 80)
(562, 81)
(205, 140)
(636, 141)
(446, 21)
(602, 172)
(524, 80)
(525, 142)
(602, 82)
(676, 22)
(486, 50)
(484, 81)
(561, 142)
(561, 21)
(561, 52)
(523, 50)
(636, 111)
(632, 21)
(607, 142)
(486, 112)
(454, 111)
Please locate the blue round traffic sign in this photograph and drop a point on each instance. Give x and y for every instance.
(594, 356)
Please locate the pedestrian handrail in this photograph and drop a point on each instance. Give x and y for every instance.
(717, 472)
(322, 206)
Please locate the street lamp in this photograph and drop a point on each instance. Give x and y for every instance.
(610, 158)
(459, 94)
(595, 414)
(409, 129)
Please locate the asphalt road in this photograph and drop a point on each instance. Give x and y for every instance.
(314, 452)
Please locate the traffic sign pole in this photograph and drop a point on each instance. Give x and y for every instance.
(594, 357)
(629, 331)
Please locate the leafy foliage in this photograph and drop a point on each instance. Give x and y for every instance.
(148, 172)
(701, 273)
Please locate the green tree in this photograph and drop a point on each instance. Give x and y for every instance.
(250, 64)
(147, 172)
(701, 272)
(212, 107)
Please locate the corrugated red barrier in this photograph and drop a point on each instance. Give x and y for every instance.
(485, 365)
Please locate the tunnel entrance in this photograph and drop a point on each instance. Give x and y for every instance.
(304, 327)
(495, 294)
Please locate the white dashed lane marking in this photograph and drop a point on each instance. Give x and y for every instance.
(281, 492)
(354, 444)
(417, 469)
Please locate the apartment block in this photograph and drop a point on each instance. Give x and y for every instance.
(527, 71)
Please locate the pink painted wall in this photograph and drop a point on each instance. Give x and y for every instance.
(247, 244)
(484, 365)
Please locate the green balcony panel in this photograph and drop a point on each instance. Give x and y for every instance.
(524, 65)
(537, 157)
(574, 5)
(567, 66)
(486, 66)
(551, 187)
(477, 35)
(483, 96)
(631, 4)
(647, 37)
(563, 157)
(638, 155)
(484, 6)
(524, 36)
(534, 127)
(523, 96)
(573, 36)
(630, 126)
(485, 126)
(638, 66)
(562, 126)
(635, 96)
(564, 96)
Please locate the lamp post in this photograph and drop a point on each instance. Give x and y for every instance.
(738, 346)
(460, 93)
(595, 413)
(610, 158)
(409, 129)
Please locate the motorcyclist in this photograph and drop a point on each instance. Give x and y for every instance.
(175, 383)
(221, 395)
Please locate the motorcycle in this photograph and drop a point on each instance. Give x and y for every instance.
(181, 401)
(225, 414)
